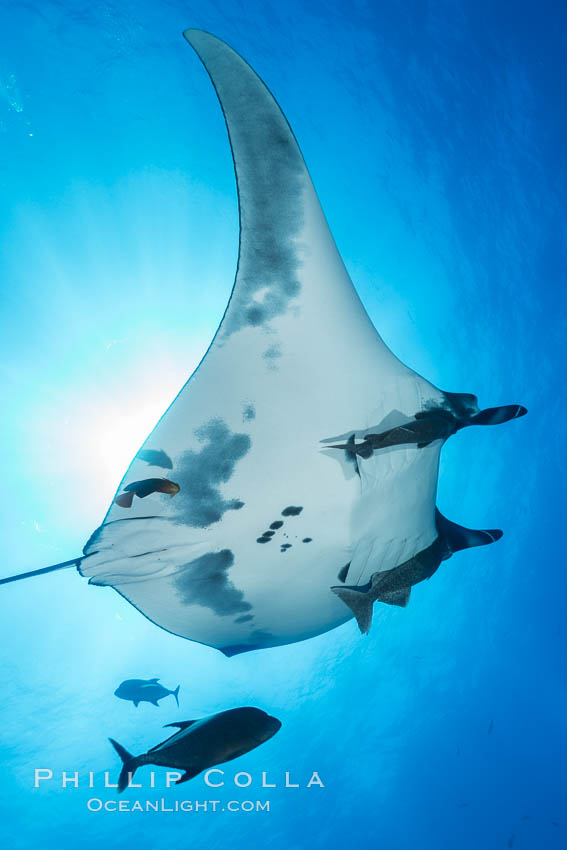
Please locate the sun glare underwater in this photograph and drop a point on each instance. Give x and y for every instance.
(431, 132)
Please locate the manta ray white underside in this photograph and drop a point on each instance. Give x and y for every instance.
(267, 515)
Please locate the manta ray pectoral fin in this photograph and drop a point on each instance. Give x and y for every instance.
(396, 597)
(360, 603)
(423, 445)
(458, 537)
(497, 415)
(182, 724)
(189, 774)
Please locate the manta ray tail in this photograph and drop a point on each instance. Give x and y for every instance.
(62, 566)
(129, 765)
(458, 537)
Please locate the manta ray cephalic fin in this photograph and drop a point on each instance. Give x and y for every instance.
(458, 537)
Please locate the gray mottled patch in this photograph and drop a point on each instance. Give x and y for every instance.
(204, 581)
(271, 355)
(248, 412)
(271, 178)
(244, 618)
(199, 502)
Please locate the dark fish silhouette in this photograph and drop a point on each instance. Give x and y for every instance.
(144, 690)
(155, 458)
(394, 586)
(146, 488)
(200, 744)
(430, 425)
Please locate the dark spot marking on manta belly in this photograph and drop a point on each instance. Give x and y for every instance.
(291, 510)
(271, 355)
(244, 619)
(263, 540)
(268, 533)
(200, 474)
(249, 412)
(307, 540)
(343, 572)
(277, 524)
(285, 547)
(204, 581)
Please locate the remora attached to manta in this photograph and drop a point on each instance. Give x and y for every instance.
(303, 449)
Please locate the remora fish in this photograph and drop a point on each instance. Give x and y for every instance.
(394, 586)
(144, 690)
(200, 744)
(146, 488)
(430, 425)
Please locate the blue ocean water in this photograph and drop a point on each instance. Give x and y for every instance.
(434, 133)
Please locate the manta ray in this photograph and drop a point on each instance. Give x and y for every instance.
(302, 456)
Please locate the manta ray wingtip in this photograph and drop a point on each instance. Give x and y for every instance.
(193, 34)
(188, 33)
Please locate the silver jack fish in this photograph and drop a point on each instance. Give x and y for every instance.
(144, 690)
